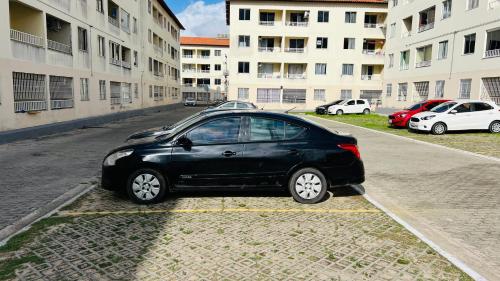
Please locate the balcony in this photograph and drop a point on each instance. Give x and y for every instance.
(189, 70)
(404, 66)
(188, 56)
(297, 23)
(269, 49)
(371, 77)
(126, 64)
(203, 70)
(27, 38)
(203, 56)
(425, 27)
(426, 19)
(295, 50)
(59, 47)
(115, 61)
(492, 44)
(424, 63)
(373, 52)
(158, 50)
(267, 23)
(492, 53)
(58, 35)
(296, 76)
(114, 21)
(269, 75)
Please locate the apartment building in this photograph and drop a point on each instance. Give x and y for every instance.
(300, 54)
(204, 68)
(442, 49)
(69, 59)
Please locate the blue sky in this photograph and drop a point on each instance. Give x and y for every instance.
(201, 17)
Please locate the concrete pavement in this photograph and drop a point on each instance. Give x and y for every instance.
(35, 172)
(450, 197)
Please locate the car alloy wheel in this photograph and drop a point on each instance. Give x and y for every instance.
(366, 111)
(146, 186)
(495, 127)
(340, 112)
(308, 186)
(438, 128)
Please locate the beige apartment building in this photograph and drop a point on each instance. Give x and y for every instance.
(300, 54)
(204, 72)
(63, 60)
(442, 49)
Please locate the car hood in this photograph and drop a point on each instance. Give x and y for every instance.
(426, 113)
(148, 133)
(405, 111)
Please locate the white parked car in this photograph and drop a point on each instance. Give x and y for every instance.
(350, 106)
(458, 115)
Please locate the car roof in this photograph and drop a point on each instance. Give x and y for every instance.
(260, 113)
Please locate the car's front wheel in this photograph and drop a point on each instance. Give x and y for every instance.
(339, 112)
(495, 127)
(438, 128)
(308, 186)
(146, 186)
(366, 111)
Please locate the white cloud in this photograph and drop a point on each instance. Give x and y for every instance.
(201, 19)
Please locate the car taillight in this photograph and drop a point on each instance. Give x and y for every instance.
(352, 148)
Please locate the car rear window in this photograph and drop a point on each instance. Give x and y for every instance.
(267, 129)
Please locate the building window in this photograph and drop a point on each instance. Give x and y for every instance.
(102, 89)
(134, 27)
(469, 44)
(320, 69)
(350, 17)
(491, 88)
(244, 41)
(402, 91)
(243, 67)
(217, 53)
(149, 6)
(388, 91)
(294, 96)
(243, 93)
(100, 6)
(472, 4)
(323, 16)
(149, 35)
(136, 90)
(465, 88)
(217, 67)
(394, 3)
(29, 92)
(439, 89)
(319, 94)
(125, 20)
(422, 89)
(404, 62)
(443, 50)
(391, 60)
(61, 92)
(446, 9)
(82, 39)
(150, 60)
(392, 30)
(424, 56)
(217, 81)
(244, 14)
(136, 59)
(268, 95)
(101, 42)
(345, 94)
(84, 89)
(347, 69)
(349, 43)
(321, 43)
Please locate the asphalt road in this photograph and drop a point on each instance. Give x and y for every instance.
(35, 172)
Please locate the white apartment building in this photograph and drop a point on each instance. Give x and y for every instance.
(204, 68)
(69, 59)
(300, 54)
(442, 49)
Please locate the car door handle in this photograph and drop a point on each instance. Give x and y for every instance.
(228, 153)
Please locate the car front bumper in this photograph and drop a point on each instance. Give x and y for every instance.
(422, 125)
(397, 122)
(113, 178)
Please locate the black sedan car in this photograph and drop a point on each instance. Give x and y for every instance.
(323, 109)
(232, 150)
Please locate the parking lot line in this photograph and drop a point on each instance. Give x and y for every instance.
(219, 210)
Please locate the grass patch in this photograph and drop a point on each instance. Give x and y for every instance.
(16, 242)
(480, 142)
(8, 267)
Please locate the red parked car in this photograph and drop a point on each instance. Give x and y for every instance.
(401, 118)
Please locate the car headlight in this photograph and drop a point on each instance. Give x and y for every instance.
(403, 115)
(111, 159)
(428, 117)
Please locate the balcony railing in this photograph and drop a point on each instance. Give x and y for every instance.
(116, 101)
(492, 4)
(370, 25)
(158, 50)
(29, 106)
(424, 63)
(370, 77)
(189, 70)
(425, 27)
(295, 50)
(60, 104)
(59, 47)
(203, 70)
(114, 61)
(406, 34)
(266, 23)
(187, 56)
(269, 49)
(113, 21)
(268, 76)
(158, 73)
(297, 23)
(373, 52)
(126, 64)
(26, 38)
(296, 76)
(203, 57)
(404, 66)
(492, 53)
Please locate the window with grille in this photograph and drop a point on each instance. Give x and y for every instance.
(61, 92)
(84, 89)
(422, 89)
(491, 88)
(268, 95)
(439, 89)
(320, 69)
(323, 16)
(294, 96)
(465, 88)
(127, 92)
(345, 94)
(350, 17)
(388, 91)
(443, 50)
(347, 69)
(402, 91)
(115, 94)
(29, 92)
(469, 43)
(102, 89)
(319, 94)
(349, 43)
(82, 39)
(243, 93)
(371, 95)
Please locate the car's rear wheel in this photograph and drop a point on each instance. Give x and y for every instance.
(495, 127)
(146, 186)
(438, 128)
(339, 112)
(308, 186)
(366, 111)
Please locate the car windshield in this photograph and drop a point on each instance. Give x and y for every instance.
(181, 126)
(335, 102)
(173, 126)
(415, 106)
(443, 107)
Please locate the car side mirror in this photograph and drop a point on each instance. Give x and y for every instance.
(184, 142)
(453, 111)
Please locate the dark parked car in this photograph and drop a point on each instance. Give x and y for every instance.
(323, 109)
(231, 150)
(234, 105)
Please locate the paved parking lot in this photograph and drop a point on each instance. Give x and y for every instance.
(250, 236)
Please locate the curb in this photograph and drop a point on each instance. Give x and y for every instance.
(46, 211)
